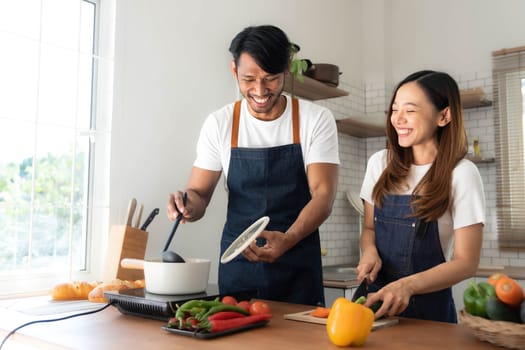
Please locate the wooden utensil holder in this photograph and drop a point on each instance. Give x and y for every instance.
(124, 242)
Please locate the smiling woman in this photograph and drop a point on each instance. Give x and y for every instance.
(47, 129)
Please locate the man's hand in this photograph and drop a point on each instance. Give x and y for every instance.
(277, 243)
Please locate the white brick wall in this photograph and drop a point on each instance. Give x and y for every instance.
(340, 233)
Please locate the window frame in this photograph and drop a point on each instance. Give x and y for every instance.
(34, 282)
(508, 77)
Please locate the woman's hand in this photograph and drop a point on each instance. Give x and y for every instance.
(369, 266)
(395, 296)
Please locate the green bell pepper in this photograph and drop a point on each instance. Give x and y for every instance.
(475, 298)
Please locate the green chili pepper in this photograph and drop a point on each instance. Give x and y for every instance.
(221, 308)
(475, 298)
(194, 308)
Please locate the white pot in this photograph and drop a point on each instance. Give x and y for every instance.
(172, 278)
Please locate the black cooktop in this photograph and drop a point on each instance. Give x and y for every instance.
(139, 302)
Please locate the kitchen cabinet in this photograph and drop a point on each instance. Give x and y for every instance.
(339, 281)
(330, 294)
(312, 89)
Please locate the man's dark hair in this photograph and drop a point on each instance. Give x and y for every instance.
(268, 45)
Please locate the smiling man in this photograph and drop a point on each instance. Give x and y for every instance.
(280, 158)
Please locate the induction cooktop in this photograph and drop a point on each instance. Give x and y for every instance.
(139, 302)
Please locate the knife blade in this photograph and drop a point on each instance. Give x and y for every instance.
(139, 216)
(149, 219)
(362, 289)
(131, 210)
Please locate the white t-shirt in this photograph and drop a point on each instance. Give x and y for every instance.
(468, 197)
(318, 133)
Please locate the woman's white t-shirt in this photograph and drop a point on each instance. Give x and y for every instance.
(468, 197)
(318, 134)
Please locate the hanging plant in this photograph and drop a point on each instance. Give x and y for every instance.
(297, 66)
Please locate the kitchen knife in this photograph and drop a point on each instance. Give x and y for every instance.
(362, 289)
(131, 210)
(149, 219)
(139, 216)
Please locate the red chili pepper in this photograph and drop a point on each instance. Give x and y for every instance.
(191, 323)
(224, 325)
(225, 315)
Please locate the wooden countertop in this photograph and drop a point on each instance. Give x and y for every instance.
(109, 329)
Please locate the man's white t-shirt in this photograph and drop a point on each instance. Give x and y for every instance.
(318, 134)
(468, 197)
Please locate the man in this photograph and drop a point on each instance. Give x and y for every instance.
(280, 159)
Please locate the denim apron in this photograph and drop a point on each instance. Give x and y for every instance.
(406, 246)
(270, 181)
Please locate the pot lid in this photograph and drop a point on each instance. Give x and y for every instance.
(243, 241)
(355, 200)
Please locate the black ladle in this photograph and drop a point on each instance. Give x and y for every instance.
(169, 255)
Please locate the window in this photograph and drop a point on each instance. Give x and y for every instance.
(509, 107)
(52, 125)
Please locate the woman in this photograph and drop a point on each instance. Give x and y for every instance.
(420, 197)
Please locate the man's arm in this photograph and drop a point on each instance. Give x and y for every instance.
(322, 180)
(199, 189)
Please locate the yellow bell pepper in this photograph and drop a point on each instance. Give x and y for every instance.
(349, 323)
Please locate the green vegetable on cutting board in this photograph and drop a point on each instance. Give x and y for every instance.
(475, 298)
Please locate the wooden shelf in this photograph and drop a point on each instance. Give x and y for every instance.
(360, 128)
(312, 89)
(479, 160)
(474, 98)
(371, 126)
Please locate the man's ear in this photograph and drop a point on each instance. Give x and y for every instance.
(444, 117)
(233, 69)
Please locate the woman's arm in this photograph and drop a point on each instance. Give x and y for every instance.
(464, 263)
(370, 262)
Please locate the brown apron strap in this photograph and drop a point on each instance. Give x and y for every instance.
(237, 115)
(295, 121)
(235, 124)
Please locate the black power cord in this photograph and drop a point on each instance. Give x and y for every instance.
(53, 320)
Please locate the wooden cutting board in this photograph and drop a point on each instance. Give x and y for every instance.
(305, 316)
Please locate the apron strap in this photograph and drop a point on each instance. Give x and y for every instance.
(295, 121)
(235, 125)
(237, 115)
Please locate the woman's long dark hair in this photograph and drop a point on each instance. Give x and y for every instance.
(432, 196)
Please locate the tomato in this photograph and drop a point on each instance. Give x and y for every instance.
(229, 300)
(244, 304)
(259, 307)
(509, 291)
(494, 278)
